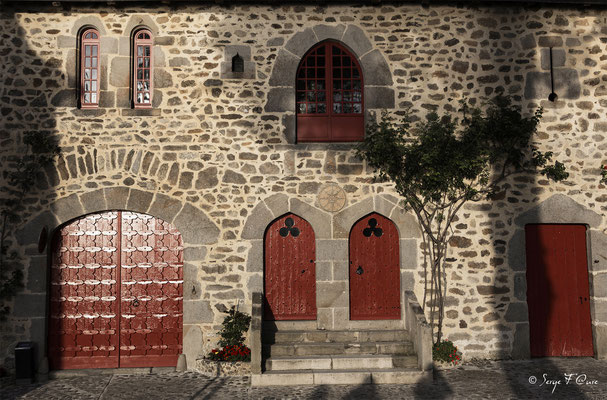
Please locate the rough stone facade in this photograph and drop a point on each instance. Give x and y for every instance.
(217, 156)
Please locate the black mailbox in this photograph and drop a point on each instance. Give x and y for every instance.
(25, 361)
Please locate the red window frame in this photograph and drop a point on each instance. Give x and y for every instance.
(329, 95)
(143, 61)
(89, 68)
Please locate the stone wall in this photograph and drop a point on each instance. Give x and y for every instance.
(222, 146)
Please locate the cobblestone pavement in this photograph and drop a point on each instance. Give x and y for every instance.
(473, 380)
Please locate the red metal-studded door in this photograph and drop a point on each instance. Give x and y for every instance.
(374, 269)
(83, 321)
(290, 270)
(152, 292)
(116, 293)
(557, 291)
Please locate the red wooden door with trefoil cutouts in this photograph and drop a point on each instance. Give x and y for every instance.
(116, 296)
(290, 270)
(557, 291)
(374, 269)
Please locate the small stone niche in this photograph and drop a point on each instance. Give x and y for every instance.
(237, 63)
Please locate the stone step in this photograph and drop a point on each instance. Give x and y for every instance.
(322, 336)
(342, 362)
(343, 377)
(330, 349)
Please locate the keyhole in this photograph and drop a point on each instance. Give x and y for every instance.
(359, 270)
(136, 303)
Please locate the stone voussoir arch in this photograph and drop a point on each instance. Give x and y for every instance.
(193, 224)
(378, 91)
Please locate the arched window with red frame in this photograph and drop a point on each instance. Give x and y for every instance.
(142, 69)
(329, 95)
(89, 69)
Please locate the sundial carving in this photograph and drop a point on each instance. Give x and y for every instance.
(332, 198)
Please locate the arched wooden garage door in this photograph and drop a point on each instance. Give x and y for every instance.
(374, 269)
(290, 270)
(116, 296)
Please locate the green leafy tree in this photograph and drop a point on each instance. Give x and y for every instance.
(443, 162)
(21, 177)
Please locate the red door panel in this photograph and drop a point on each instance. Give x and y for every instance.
(557, 291)
(116, 293)
(374, 269)
(290, 270)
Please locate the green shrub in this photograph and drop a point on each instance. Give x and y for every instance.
(446, 351)
(235, 324)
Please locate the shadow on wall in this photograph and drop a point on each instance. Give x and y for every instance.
(27, 83)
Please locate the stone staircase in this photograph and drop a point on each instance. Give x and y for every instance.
(352, 357)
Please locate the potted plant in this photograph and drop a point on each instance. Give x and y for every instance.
(445, 354)
(233, 357)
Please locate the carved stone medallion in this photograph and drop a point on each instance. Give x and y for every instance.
(331, 198)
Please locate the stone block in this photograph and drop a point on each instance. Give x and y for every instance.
(67, 208)
(599, 334)
(109, 45)
(255, 257)
(598, 246)
(379, 97)
(383, 206)
(320, 221)
(408, 254)
(341, 270)
(284, 69)
(197, 312)
(566, 84)
(192, 344)
(550, 41)
(599, 285)
(159, 57)
(516, 251)
(257, 222)
(67, 42)
(324, 318)
(520, 286)
(517, 312)
(345, 219)
(165, 207)
(162, 79)
(331, 294)
(278, 204)
(407, 280)
(255, 283)
(598, 310)
(116, 197)
(123, 99)
(520, 344)
(88, 21)
(301, 42)
(139, 201)
(281, 100)
(356, 39)
(30, 305)
(528, 41)
(406, 223)
(194, 253)
(324, 32)
(195, 226)
(93, 201)
(290, 134)
(324, 271)
(124, 46)
(71, 69)
(330, 250)
(558, 58)
(120, 72)
(30, 233)
(36, 274)
(376, 71)
(559, 209)
(107, 99)
(38, 334)
(65, 98)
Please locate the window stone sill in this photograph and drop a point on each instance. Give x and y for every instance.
(141, 112)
